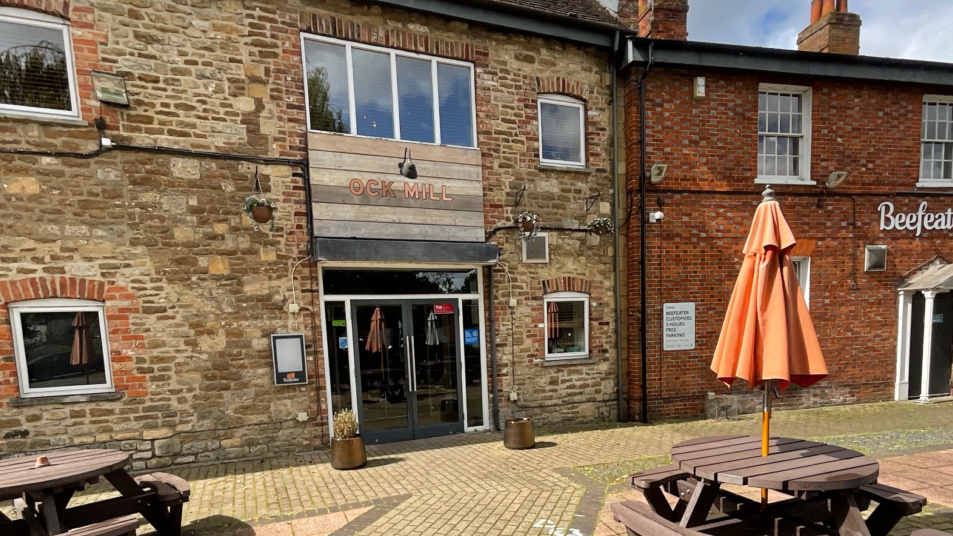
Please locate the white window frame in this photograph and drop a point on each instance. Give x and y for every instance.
(567, 102)
(31, 18)
(932, 182)
(393, 53)
(803, 267)
(804, 176)
(57, 306)
(544, 236)
(560, 297)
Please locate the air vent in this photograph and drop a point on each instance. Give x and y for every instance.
(875, 259)
(536, 251)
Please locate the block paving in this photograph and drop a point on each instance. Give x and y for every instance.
(471, 484)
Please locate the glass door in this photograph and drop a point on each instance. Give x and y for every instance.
(382, 371)
(408, 368)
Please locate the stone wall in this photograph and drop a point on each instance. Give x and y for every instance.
(193, 292)
(709, 196)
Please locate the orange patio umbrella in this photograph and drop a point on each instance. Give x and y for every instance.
(82, 351)
(553, 321)
(768, 335)
(375, 335)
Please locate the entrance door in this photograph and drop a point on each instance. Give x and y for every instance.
(941, 355)
(408, 369)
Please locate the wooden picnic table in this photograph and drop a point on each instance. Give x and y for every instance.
(47, 491)
(828, 474)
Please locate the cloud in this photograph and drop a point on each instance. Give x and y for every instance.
(914, 29)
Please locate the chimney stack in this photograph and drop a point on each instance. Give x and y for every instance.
(657, 19)
(833, 29)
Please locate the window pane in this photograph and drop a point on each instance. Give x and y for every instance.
(782, 146)
(328, 101)
(762, 121)
(63, 349)
(773, 123)
(456, 114)
(561, 132)
(33, 67)
(773, 102)
(786, 123)
(471, 362)
(339, 383)
(373, 94)
(415, 95)
(931, 112)
(931, 130)
(566, 327)
(354, 281)
(786, 103)
(770, 165)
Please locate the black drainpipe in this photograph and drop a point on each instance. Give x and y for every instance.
(643, 278)
(496, 403)
(621, 409)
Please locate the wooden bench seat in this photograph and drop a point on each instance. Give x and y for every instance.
(119, 526)
(640, 520)
(172, 491)
(652, 482)
(892, 505)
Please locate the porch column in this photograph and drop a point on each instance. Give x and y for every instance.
(928, 295)
(904, 310)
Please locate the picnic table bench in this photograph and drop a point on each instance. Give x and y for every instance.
(827, 486)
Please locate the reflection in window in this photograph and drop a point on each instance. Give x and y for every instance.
(328, 108)
(373, 96)
(415, 99)
(472, 361)
(339, 382)
(60, 347)
(456, 126)
(382, 282)
(566, 325)
(35, 67)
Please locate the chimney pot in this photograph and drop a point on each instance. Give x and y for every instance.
(842, 7)
(836, 30)
(816, 10)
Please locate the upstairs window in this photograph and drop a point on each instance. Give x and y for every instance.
(562, 131)
(784, 144)
(936, 137)
(382, 93)
(36, 64)
(61, 347)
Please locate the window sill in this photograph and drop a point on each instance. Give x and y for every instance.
(935, 183)
(17, 402)
(558, 167)
(552, 362)
(784, 180)
(39, 118)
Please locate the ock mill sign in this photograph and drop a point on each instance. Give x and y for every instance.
(918, 221)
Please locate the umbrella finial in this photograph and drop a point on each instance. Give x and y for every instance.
(767, 195)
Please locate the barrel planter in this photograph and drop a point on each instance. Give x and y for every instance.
(518, 434)
(348, 453)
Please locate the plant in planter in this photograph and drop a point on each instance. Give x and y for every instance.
(528, 224)
(260, 210)
(347, 446)
(601, 227)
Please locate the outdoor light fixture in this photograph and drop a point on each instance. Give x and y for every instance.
(408, 168)
(655, 217)
(835, 179)
(658, 173)
(875, 259)
(109, 88)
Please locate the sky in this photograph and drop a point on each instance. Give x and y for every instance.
(910, 29)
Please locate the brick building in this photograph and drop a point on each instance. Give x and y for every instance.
(140, 308)
(858, 151)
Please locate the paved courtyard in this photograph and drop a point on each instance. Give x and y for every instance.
(470, 484)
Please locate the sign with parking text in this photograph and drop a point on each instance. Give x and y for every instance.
(678, 326)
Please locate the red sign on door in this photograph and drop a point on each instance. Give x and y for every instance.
(443, 308)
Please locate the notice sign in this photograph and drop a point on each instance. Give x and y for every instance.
(678, 326)
(443, 308)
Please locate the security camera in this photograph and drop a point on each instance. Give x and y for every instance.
(655, 217)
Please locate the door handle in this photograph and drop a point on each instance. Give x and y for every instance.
(413, 364)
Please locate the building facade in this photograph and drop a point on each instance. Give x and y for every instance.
(857, 150)
(143, 309)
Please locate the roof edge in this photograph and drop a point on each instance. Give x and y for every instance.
(517, 19)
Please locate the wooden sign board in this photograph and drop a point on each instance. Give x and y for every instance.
(358, 191)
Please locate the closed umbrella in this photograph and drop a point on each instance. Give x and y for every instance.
(433, 339)
(768, 337)
(553, 321)
(82, 350)
(375, 336)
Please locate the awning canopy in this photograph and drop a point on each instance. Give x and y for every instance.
(939, 277)
(410, 251)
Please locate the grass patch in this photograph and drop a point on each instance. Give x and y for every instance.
(618, 472)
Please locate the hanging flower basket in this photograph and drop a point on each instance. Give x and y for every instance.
(528, 224)
(260, 210)
(601, 227)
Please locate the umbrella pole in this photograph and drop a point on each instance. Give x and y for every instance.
(765, 434)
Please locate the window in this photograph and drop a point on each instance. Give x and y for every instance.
(536, 251)
(802, 267)
(567, 325)
(562, 131)
(382, 93)
(61, 347)
(936, 159)
(784, 141)
(36, 64)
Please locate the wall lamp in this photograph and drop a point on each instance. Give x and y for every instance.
(835, 179)
(658, 173)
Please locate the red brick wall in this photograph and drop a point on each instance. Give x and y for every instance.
(694, 254)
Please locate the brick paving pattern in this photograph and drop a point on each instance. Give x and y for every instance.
(470, 484)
